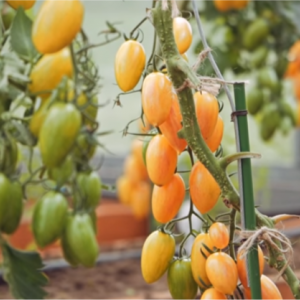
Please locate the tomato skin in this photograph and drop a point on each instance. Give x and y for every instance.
(49, 71)
(167, 199)
(4, 197)
(49, 34)
(135, 169)
(294, 64)
(67, 252)
(222, 5)
(9, 152)
(129, 64)
(222, 272)
(80, 236)
(212, 293)
(203, 199)
(58, 133)
(157, 95)
(180, 280)
(157, 252)
(125, 187)
(219, 235)
(161, 160)
(140, 200)
(182, 31)
(26, 4)
(213, 142)
(49, 218)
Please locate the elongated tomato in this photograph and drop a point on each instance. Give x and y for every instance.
(219, 235)
(182, 31)
(212, 293)
(125, 187)
(135, 169)
(167, 199)
(172, 125)
(204, 189)
(129, 64)
(157, 98)
(207, 110)
(161, 160)
(214, 140)
(140, 200)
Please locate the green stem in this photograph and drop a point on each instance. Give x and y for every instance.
(137, 26)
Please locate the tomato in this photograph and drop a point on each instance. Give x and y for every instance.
(198, 260)
(259, 56)
(255, 101)
(67, 252)
(212, 293)
(270, 121)
(26, 4)
(9, 155)
(58, 133)
(161, 160)
(134, 168)
(49, 71)
(296, 87)
(167, 199)
(137, 150)
(4, 197)
(222, 5)
(80, 236)
(49, 33)
(222, 272)
(89, 188)
(182, 31)
(157, 95)
(129, 64)
(267, 77)
(207, 111)
(84, 147)
(125, 187)
(204, 189)
(269, 290)
(294, 61)
(180, 279)
(49, 218)
(140, 200)
(239, 4)
(214, 141)
(242, 266)
(172, 125)
(219, 235)
(157, 252)
(7, 13)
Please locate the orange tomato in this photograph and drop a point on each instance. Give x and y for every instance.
(269, 289)
(157, 98)
(161, 160)
(294, 65)
(140, 200)
(135, 169)
(219, 235)
(296, 84)
(213, 142)
(129, 64)
(222, 5)
(207, 111)
(172, 125)
(144, 128)
(167, 199)
(26, 4)
(222, 272)
(182, 31)
(239, 4)
(125, 188)
(212, 293)
(204, 189)
(242, 266)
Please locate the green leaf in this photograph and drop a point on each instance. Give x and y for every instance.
(21, 271)
(21, 36)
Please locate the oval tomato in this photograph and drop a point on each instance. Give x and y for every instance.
(180, 280)
(161, 160)
(204, 189)
(4, 197)
(140, 200)
(157, 98)
(222, 272)
(239, 4)
(182, 31)
(213, 142)
(67, 252)
(129, 64)
(26, 4)
(135, 169)
(49, 218)
(49, 33)
(207, 111)
(125, 187)
(49, 71)
(157, 252)
(58, 133)
(85, 147)
(167, 199)
(219, 235)
(212, 293)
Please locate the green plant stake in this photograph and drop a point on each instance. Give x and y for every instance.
(247, 205)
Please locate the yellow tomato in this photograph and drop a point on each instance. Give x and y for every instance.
(26, 4)
(182, 31)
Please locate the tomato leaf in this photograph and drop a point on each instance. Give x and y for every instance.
(22, 272)
(21, 36)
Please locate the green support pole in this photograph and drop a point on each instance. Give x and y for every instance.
(247, 205)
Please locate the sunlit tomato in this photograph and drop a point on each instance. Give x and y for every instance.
(269, 289)
(219, 235)
(49, 71)
(222, 272)
(172, 125)
(134, 168)
(129, 64)
(242, 266)
(157, 98)
(182, 31)
(213, 142)
(161, 160)
(180, 279)
(222, 5)
(140, 200)
(49, 33)
(207, 111)
(204, 189)
(26, 4)
(167, 199)
(58, 133)
(199, 255)
(125, 187)
(294, 60)
(212, 293)
(157, 252)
